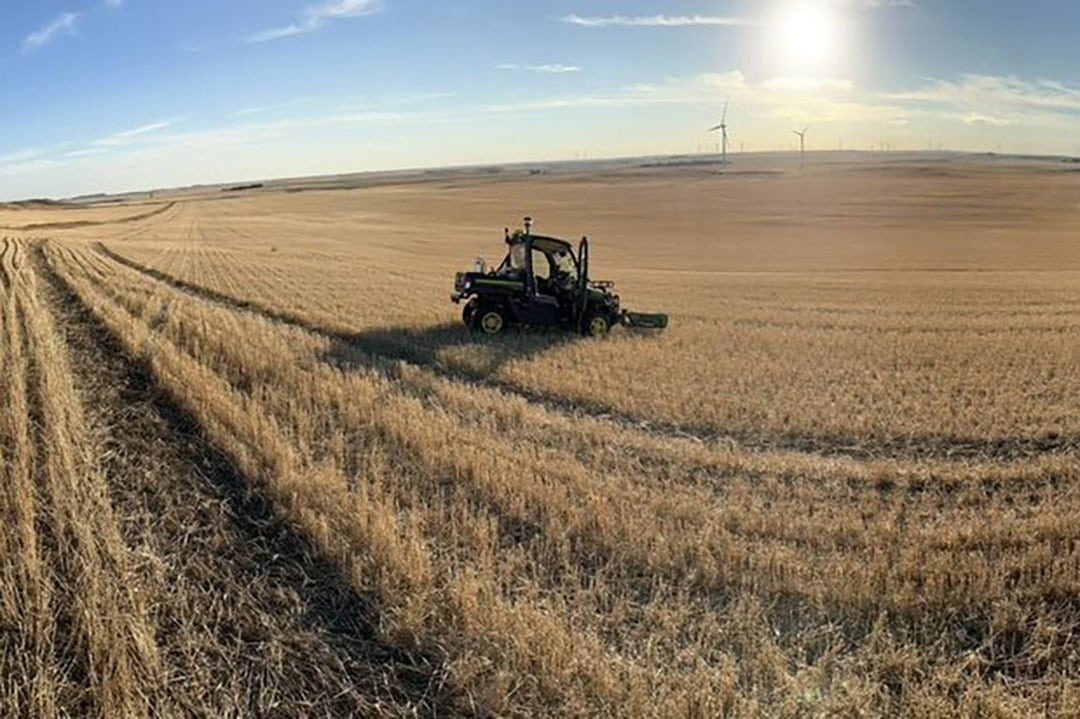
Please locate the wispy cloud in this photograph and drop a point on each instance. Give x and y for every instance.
(802, 101)
(808, 84)
(317, 17)
(655, 20)
(19, 169)
(978, 118)
(278, 33)
(114, 3)
(65, 24)
(85, 152)
(348, 107)
(262, 109)
(996, 96)
(127, 137)
(19, 156)
(554, 69)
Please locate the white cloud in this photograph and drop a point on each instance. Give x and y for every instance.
(554, 69)
(65, 24)
(153, 158)
(729, 80)
(654, 21)
(278, 33)
(114, 3)
(127, 137)
(344, 8)
(996, 101)
(86, 152)
(996, 91)
(808, 84)
(19, 156)
(696, 20)
(794, 100)
(261, 109)
(30, 166)
(977, 118)
(317, 17)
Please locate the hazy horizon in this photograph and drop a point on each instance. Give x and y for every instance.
(737, 161)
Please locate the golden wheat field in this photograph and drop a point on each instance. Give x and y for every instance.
(253, 465)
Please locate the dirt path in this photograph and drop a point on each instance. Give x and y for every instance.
(395, 349)
(249, 622)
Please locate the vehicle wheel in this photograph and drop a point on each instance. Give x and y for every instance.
(489, 321)
(597, 326)
(468, 312)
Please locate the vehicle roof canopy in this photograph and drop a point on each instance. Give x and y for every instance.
(550, 245)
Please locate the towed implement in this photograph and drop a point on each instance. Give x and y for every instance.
(543, 283)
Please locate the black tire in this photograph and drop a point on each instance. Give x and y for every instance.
(468, 312)
(596, 326)
(489, 320)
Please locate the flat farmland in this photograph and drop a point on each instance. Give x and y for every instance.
(254, 464)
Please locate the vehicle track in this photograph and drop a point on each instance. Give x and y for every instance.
(75, 224)
(249, 620)
(914, 447)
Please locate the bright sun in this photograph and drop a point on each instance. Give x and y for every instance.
(808, 35)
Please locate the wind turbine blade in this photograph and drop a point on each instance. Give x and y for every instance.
(723, 118)
(715, 128)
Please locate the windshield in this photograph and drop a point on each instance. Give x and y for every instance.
(517, 256)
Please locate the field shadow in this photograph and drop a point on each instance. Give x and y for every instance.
(290, 595)
(448, 347)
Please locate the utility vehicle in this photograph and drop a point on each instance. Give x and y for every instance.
(543, 283)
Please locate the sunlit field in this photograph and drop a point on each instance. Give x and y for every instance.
(253, 463)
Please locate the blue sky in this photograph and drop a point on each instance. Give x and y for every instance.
(112, 95)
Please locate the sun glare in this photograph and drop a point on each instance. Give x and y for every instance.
(808, 35)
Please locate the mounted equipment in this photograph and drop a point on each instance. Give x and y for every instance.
(543, 283)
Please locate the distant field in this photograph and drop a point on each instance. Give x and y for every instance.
(252, 463)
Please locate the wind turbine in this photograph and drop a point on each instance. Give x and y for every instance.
(802, 146)
(722, 127)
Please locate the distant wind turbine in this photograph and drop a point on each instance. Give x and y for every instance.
(802, 146)
(722, 127)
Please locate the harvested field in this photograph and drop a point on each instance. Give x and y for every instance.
(254, 466)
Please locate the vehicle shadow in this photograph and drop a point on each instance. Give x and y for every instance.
(448, 348)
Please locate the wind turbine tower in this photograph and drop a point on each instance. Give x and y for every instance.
(722, 129)
(802, 146)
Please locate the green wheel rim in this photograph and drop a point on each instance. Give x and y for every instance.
(491, 323)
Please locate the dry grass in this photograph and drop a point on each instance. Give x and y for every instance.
(827, 493)
(862, 305)
(139, 578)
(77, 622)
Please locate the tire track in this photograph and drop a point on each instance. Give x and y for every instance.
(75, 224)
(249, 620)
(31, 683)
(384, 346)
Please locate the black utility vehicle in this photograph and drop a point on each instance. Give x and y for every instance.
(542, 283)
